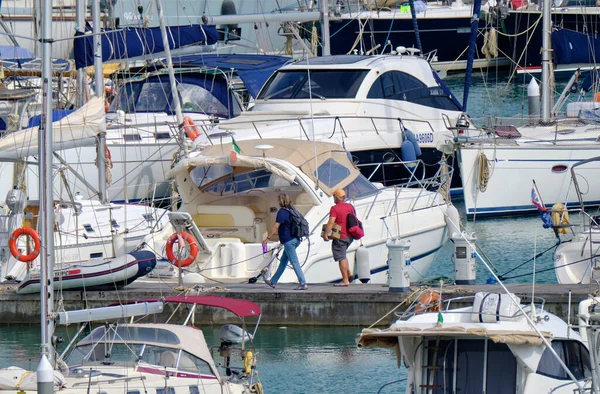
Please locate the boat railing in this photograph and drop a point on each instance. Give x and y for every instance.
(338, 124)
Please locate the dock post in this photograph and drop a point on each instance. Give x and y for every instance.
(464, 258)
(399, 265)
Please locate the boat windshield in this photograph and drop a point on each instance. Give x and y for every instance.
(324, 84)
(223, 179)
(155, 96)
(332, 173)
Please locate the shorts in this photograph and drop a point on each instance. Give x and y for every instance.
(339, 248)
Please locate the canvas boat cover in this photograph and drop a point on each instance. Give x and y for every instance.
(77, 129)
(311, 157)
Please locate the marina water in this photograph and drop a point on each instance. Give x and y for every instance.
(326, 359)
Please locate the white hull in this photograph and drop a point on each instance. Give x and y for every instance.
(96, 274)
(512, 169)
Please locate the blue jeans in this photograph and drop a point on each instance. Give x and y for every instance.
(289, 254)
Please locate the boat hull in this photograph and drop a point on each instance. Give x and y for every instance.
(512, 169)
(109, 274)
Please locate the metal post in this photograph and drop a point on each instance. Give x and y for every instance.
(45, 186)
(325, 27)
(99, 89)
(80, 26)
(546, 40)
(176, 103)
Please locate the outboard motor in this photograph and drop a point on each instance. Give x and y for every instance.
(231, 335)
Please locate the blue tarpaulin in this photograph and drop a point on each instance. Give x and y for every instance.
(134, 41)
(254, 70)
(573, 47)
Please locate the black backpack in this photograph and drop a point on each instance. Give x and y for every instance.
(299, 225)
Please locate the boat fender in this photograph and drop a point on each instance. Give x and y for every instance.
(560, 218)
(407, 151)
(452, 221)
(181, 240)
(364, 266)
(428, 303)
(228, 8)
(190, 128)
(249, 362)
(413, 140)
(12, 244)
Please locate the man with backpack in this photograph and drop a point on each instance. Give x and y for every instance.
(338, 215)
(291, 227)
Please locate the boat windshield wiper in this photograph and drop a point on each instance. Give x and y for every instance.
(278, 92)
(305, 90)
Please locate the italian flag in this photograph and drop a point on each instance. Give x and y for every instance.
(235, 146)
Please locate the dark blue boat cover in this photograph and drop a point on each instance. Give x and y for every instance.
(574, 47)
(130, 42)
(254, 70)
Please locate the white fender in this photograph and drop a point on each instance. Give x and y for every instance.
(364, 266)
(452, 221)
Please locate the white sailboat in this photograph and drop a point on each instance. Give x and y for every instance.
(498, 165)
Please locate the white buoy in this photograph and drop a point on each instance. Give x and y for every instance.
(45, 376)
(364, 266)
(533, 100)
(452, 221)
(399, 265)
(464, 258)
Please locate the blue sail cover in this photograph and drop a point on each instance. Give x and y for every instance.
(254, 70)
(135, 41)
(573, 47)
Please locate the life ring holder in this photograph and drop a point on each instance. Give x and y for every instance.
(181, 239)
(12, 244)
(428, 303)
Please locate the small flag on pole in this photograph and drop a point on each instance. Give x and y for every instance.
(235, 146)
(536, 199)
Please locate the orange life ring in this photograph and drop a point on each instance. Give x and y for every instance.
(181, 239)
(428, 303)
(12, 244)
(190, 128)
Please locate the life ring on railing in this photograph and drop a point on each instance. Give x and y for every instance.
(12, 244)
(190, 128)
(181, 239)
(428, 303)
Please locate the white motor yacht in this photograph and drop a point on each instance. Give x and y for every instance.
(229, 202)
(364, 103)
(490, 346)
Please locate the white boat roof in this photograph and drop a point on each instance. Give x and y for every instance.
(190, 339)
(306, 155)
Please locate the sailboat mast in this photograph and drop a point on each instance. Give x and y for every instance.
(46, 212)
(99, 89)
(172, 82)
(325, 27)
(546, 59)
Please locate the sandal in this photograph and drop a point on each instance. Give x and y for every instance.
(269, 283)
(302, 287)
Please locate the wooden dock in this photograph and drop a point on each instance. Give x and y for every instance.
(321, 304)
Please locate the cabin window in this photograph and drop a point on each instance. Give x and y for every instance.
(195, 98)
(133, 391)
(132, 137)
(162, 136)
(575, 356)
(194, 390)
(96, 255)
(324, 84)
(397, 85)
(170, 390)
(153, 97)
(88, 228)
(461, 365)
(360, 187)
(189, 363)
(332, 173)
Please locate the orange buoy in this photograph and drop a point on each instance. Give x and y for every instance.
(12, 244)
(190, 128)
(597, 97)
(181, 239)
(428, 303)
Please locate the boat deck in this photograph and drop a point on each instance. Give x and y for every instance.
(321, 304)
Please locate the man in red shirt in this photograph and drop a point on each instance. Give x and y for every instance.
(338, 214)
